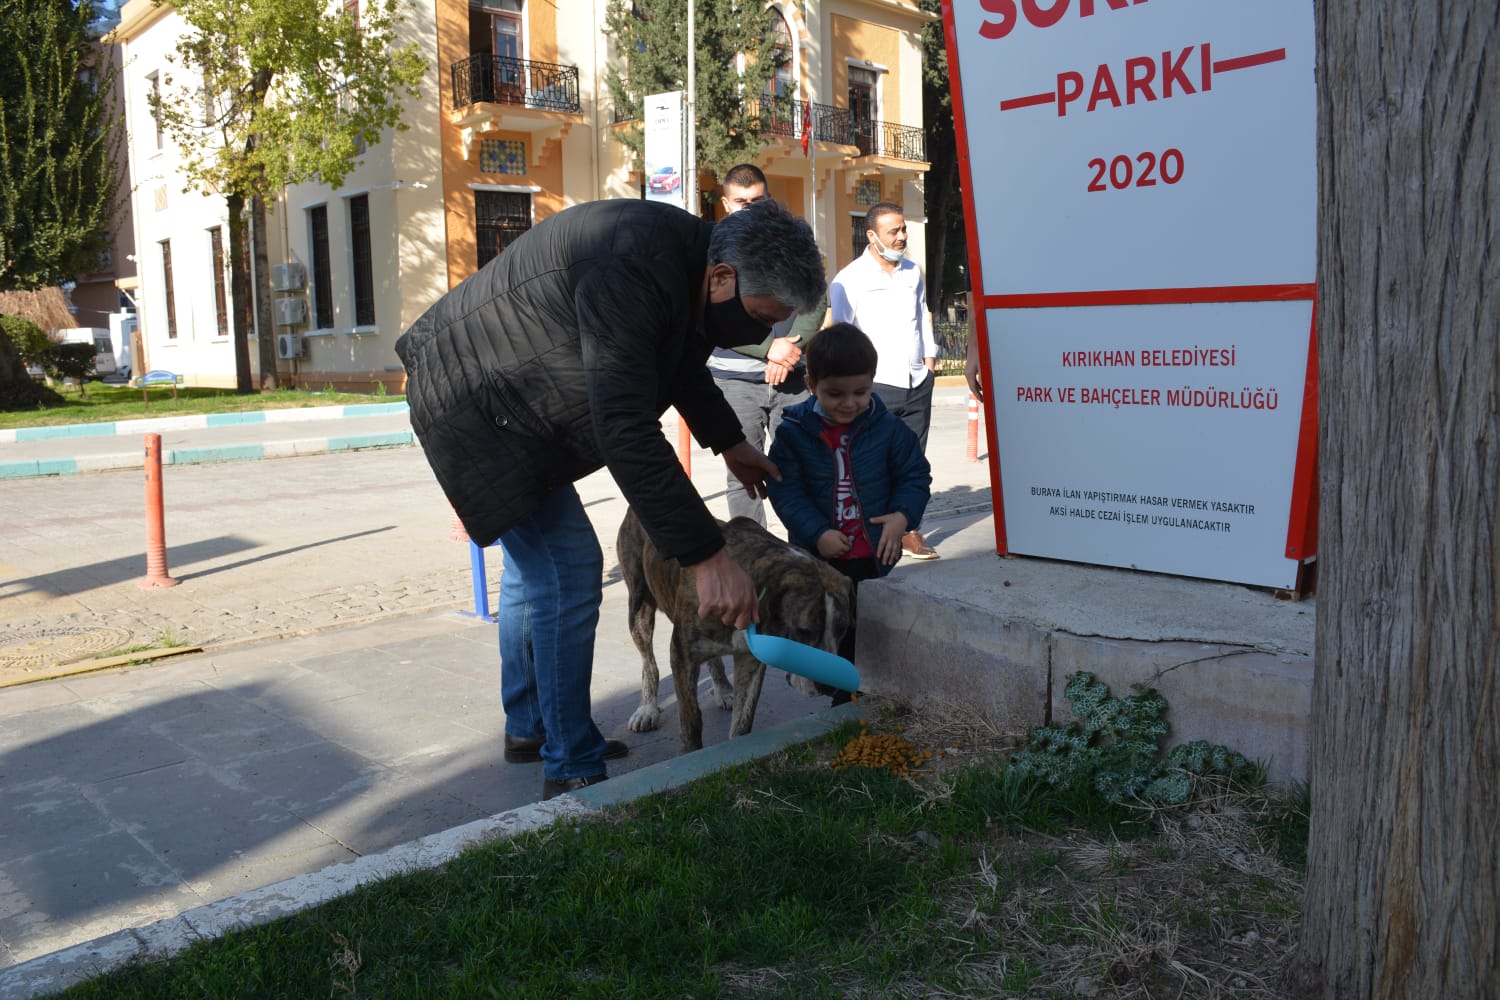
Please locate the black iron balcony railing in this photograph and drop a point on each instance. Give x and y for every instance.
(896, 142)
(772, 116)
(501, 80)
(785, 117)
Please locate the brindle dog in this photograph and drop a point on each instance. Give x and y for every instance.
(801, 598)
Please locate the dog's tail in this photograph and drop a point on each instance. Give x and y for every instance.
(631, 552)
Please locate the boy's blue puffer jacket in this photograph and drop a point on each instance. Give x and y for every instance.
(890, 472)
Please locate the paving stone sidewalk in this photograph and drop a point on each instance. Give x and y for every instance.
(281, 547)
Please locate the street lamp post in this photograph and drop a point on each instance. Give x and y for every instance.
(690, 159)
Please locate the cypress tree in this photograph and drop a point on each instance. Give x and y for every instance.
(651, 39)
(58, 138)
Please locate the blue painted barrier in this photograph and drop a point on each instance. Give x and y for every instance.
(480, 577)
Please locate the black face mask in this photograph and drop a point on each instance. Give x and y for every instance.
(728, 325)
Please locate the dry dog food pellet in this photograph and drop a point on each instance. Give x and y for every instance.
(881, 751)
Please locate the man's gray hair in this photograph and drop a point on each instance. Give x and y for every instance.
(772, 253)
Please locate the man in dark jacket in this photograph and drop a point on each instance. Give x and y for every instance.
(558, 358)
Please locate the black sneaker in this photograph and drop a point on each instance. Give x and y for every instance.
(552, 789)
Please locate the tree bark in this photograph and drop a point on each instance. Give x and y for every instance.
(946, 179)
(239, 290)
(265, 328)
(1402, 887)
(17, 389)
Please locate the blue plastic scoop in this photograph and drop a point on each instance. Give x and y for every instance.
(800, 658)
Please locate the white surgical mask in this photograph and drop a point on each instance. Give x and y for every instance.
(889, 254)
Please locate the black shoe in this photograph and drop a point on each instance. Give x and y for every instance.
(519, 751)
(552, 789)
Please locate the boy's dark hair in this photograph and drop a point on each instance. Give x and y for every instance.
(839, 351)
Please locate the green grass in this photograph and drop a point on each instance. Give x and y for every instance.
(166, 638)
(106, 403)
(786, 879)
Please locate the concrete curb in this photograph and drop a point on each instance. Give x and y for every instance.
(135, 459)
(65, 968)
(198, 421)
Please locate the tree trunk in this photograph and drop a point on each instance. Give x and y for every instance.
(1402, 886)
(17, 389)
(265, 328)
(942, 202)
(239, 290)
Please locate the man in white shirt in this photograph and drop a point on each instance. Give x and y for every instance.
(883, 294)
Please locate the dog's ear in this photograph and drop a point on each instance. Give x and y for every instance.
(837, 583)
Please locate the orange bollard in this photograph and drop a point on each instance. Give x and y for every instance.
(684, 445)
(973, 452)
(156, 531)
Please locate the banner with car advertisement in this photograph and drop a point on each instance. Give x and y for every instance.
(1140, 192)
(664, 154)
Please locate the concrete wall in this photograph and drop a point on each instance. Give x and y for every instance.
(1003, 635)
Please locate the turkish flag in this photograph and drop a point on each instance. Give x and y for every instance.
(806, 125)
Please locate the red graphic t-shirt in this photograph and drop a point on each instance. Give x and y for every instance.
(848, 518)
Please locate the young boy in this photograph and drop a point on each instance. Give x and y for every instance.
(853, 476)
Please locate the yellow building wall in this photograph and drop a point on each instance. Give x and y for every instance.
(876, 43)
(847, 205)
(788, 191)
(458, 173)
(541, 30)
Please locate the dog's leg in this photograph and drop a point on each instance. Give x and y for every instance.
(643, 634)
(723, 689)
(685, 680)
(749, 674)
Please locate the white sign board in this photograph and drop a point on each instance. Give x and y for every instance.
(1179, 135)
(1151, 451)
(1141, 178)
(665, 180)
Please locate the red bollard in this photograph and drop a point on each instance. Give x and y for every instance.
(973, 452)
(684, 445)
(156, 531)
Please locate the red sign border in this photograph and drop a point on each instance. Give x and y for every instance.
(1302, 526)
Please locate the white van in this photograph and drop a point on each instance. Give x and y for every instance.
(104, 351)
(122, 325)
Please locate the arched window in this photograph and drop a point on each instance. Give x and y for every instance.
(783, 83)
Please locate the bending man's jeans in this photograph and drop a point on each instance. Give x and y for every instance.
(550, 591)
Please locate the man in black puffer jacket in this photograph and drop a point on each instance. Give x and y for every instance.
(559, 358)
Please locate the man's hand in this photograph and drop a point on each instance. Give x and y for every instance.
(833, 544)
(750, 467)
(892, 527)
(776, 374)
(972, 373)
(725, 592)
(784, 351)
